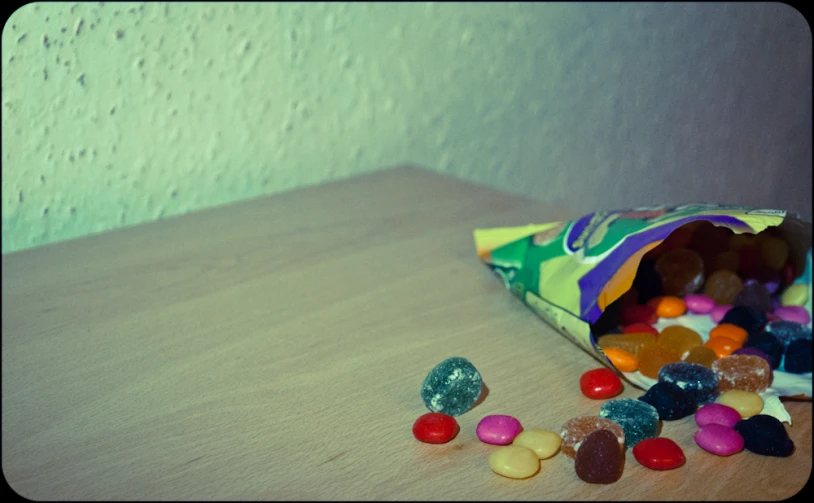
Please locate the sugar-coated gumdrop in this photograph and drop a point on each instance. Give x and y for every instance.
(769, 344)
(600, 384)
(723, 286)
(670, 401)
(600, 459)
(681, 271)
(435, 428)
(659, 453)
(653, 356)
(576, 430)
(679, 339)
(638, 419)
(797, 359)
(788, 331)
(743, 372)
(745, 317)
(765, 435)
(754, 295)
(702, 356)
(452, 387)
(693, 378)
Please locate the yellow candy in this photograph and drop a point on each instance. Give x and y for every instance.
(795, 295)
(514, 462)
(543, 443)
(746, 403)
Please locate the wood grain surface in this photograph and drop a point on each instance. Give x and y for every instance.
(274, 349)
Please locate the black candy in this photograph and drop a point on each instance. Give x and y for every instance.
(748, 318)
(647, 281)
(788, 331)
(756, 296)
(769, 344)
(670, 401)
(765, 435)
(798, 357)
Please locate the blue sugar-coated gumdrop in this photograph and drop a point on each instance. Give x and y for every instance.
(769, 344)
(747, 318)
(452, 387)
(670, 401)
(788, 331)
(639, 420)
(765, 435)
(797, 359)
(692, 377)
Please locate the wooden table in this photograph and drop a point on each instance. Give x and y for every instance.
(274, 349)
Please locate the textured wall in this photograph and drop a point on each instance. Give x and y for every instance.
(119, 113)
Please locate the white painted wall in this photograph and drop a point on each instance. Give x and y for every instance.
(152, 109)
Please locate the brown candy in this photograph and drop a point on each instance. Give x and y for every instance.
(653, 356)
(679, 339)
(702, 356)
(576, 430)
(774, 252)
(743, 372)
(723, 286)
(681, 271)
(600, 459)
(632, 343)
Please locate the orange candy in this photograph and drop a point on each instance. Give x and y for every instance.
(668, 306)
(723, 346)
(702, 356)
(621, 359)
(730, 331)
(632, 343)
(679, 339)
(652, 357)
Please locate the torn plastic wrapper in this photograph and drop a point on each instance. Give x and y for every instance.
(570, 272)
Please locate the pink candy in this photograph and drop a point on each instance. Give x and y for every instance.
(719, 439)
(797, 314)
(498, 429)
(699, 304)
(716, 413)
(718, 313)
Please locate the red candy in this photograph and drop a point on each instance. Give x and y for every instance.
(435, 428)
(639, 328)
(659, 453)
(638, 314)
(600, 384)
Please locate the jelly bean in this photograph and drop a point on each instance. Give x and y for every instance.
(797, 314)
(636, 328)
(718, 312)
(743, 372)
(716, 413)
(638, 419)
(723, 346)
(576, 430)
(718, 439)
(632, 343)
(600, 459)
(653, 356)
(668, 306)
(679, 339)
(452, 387)
(754, 295)
(747, 403)
(638, 314)
(693, 378)
(670, 401)
(774, 252)
(659, 453)
(621, 359)
(681, 271)
(797, 359)
(794, 295)
(770, 345)
(765, 435)
(745, 317)
(723, 286)
(702, 356)
(599, 384)
(543, 443)
(514, 462)
(699, 303)
(730, 331)
(435, 428)
(498, 429)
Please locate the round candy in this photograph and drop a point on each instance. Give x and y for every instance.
(774, 252)
(621, 359)
(681, 271)
(679, 339)
(452, 387)
(765, 435)
(653, 356)
(744, 372)
(797, 314)
(702, 356)
(718, 414)
(728, 260)
(435, 428)
(788, 331)
(638, 419)
(754, 295)
(745, 317)
(600, 459)
(543, 443)
(577, 429)
(718, 439)
(514, 462)
(795, 295)
(722, 286)
(746, 403)
(797, 359)
(600, 384)
(670, 401)
(659, 453)
(668, 306)
(718, 312)
(753, 352)
(498, 429)
(699, 303)
(692, 377)
(770, 345)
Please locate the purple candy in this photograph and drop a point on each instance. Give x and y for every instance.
(718, 313)
(698, 303)
(719, 439)
(772, 286)
(716, 413)
(498, 429)
(797, 314)
(754, 352)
